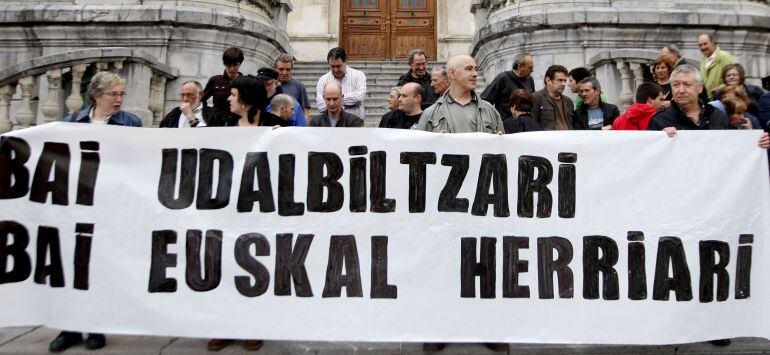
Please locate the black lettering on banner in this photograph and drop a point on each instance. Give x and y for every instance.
(358, 179)
(206, 179)
(256, 162)
(417, 177)
(378, 175)
(56, 157)
(743, 267)
(484, 269)
(168, 173)
(89, 169)
(447, 200)
(48, 245)
(290, 264)
(513, 266)
(380, 287)
(343, 250)
(593, 265)
(286, 204)
(547, 265)
(317, 181)
(637, 274)
(529, 185)
(710, 268)
(671, 253)
(494, 171)
(83, 235)
(252, 265)
(14, 176)
(162, 260)
(567, 176)
(212, 260)
(22, 265)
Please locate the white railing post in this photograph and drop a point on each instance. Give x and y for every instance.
(626, 95)
(25, 115)
(6, 93)
(51, 108)
(74, 102)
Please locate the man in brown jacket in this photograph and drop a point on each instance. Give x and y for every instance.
(554, 111)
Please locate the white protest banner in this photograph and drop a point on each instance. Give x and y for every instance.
(385, 235)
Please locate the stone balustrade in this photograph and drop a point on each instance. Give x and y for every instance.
(622, 71)
(39, 83)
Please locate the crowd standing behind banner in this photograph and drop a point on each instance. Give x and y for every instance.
(444, 100)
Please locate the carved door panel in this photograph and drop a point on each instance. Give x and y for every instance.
(413, 25)
(387, 29)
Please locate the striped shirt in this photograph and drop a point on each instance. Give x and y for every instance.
(353, 91)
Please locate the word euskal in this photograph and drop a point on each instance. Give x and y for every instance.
(325, 169)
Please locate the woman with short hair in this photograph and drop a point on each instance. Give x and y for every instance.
(105, 99)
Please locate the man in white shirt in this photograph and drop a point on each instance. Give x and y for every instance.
(353, 84)
(191, 111)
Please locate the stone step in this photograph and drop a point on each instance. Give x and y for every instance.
(380, 78)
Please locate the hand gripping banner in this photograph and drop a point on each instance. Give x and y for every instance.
(385, 235)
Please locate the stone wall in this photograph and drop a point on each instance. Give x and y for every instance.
(187, 35)
(573, 33)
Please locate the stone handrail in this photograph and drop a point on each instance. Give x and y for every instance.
(27, 74)
(40, 65)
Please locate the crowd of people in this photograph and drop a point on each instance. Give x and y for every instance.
(443, 99)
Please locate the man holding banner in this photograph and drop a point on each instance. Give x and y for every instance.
(686, 85)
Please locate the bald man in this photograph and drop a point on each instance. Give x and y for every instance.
(461, 110)
(409, 108)
(334, 116)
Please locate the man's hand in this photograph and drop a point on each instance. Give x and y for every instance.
(764, 141)
(671, 131)
(607, 128)
(187, 111)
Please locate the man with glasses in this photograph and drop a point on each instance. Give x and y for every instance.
(192, 112)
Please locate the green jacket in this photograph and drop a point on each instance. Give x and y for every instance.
(437, 117)
(712, 76)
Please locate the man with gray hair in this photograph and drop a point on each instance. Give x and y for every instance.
(593, 112)
(499, 91)
(418, 61)
(672, 51)
(192, 111)
(460, 110)
(686, 112)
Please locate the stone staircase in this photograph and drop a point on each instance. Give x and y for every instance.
(380, 77)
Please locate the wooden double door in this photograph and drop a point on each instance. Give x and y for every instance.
(387, 29)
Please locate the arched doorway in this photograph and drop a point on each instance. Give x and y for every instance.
(387, 29)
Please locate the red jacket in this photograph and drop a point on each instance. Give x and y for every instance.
(636, 118)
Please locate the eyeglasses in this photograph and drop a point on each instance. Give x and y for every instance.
(114, 94)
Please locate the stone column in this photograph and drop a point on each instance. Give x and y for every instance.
(157, 93)
(117, 67)
(626, 95)
(51, 108)
(25, 115)
(636, 68)
(481, 13)
(6, 93)
(74, 102)
(137, 99)
(280, 14)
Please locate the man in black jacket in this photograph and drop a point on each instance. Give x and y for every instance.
(687, 111)
(192, 111)
(418, 73)
(593, 113)
(409, 108)
(498, 93)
